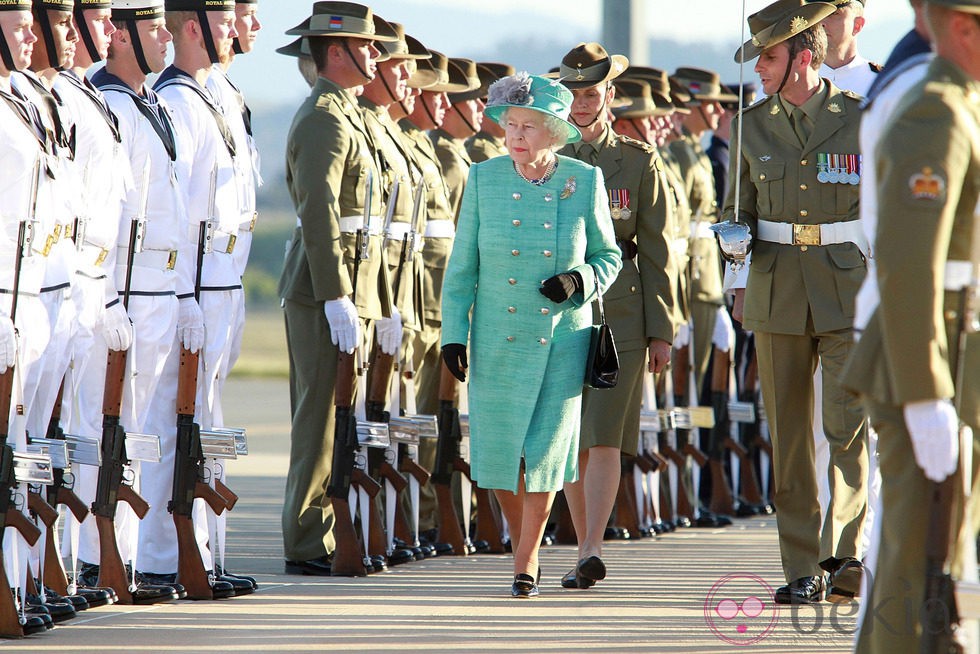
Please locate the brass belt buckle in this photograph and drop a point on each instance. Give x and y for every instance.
(100, 258)
(231, 244)
(806, 234)
(172, 260)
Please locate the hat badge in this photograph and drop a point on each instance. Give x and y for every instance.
(580, 76)
(798, 24)
(756, 42)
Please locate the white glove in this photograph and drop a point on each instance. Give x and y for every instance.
(389, 332)
(117, 328)
(190, 324)
(8, 344)
(724, 336)
(934, 428)
(683, 336)
(345, 327)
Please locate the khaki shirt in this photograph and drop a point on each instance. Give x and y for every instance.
(640, 303)
(928, 166)
(789, 285)
(327, 165)
(704, 270)
(482, 146)
(455, 164)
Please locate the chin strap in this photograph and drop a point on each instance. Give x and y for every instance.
(134, 34)
(82, 27)
(350, 54)
(427, 112)
(202, 17)
(463, 118)
(5, 54)
(41, 15)
(602, 109)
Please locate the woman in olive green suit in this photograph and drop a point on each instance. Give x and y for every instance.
(534, 238)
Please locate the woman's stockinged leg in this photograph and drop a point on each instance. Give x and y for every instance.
(527, 515)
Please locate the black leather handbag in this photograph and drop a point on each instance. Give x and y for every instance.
(602, 364)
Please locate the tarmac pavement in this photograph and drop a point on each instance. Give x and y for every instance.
(663, 594)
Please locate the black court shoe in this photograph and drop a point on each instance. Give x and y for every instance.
(524, 586)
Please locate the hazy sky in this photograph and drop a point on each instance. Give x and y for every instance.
(544, 28)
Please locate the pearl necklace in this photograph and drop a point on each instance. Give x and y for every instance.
(539, 181)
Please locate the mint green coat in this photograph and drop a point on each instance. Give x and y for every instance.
(526, 353)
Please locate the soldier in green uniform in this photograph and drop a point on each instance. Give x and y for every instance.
(639, 305)
(489, 141)
(464, 116)
(905, 365)
(388, 88)
(799, 174)
(435, 77)
(328, 168)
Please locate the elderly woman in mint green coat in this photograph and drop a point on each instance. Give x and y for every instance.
(533, 239)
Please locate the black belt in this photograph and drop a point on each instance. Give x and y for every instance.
(627, 248)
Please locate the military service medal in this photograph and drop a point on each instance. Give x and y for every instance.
(833, 175)
(823, 167)
(619, 203)
(854, 169)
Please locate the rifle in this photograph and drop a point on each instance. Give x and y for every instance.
(189, 473)
(722, 500)
(418, 427)
(11, 516)
(941, 612)
(627, 503)
(111, 487)
(59, 492)
(447, 451)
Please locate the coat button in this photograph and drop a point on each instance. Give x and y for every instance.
(804, 162)
(762, 176)
(547, 225)
(516, 222)
(511, 309)
(515, 252)
(632, 289)
(803, 212)
(543, 341)
(517, 196)
(511, 281)
(510, 339)
(803, 248)
(802, 187)
(545, 310)
(548, 197)
(547, 253)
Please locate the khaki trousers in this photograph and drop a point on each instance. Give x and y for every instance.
(786, 367)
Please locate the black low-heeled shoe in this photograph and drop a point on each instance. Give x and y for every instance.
(524, 586)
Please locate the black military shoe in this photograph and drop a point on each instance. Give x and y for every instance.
(222, 572)
(805, 590)
(155, 588)
(97, 596)
(400, 556)
(59, 611)
(845, 581)
(318, 567)
(77, 602)
(37, 618)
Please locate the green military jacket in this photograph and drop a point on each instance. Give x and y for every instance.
(779, 182)
(483, 146)
(699, 182)
(397, 165)
(455, 164)
(435, 251)
(327, 163)
(676, 193)
(640, 303)
(928, 166)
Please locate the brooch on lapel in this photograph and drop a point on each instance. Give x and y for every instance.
(570, 187)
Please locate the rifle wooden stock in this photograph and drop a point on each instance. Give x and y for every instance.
(210, 496)
(398, 481)
(10, 626)
(462, 467)
(112, 572)
(411, 467)
(133, 499)
(736, 448)
(626, 500)
(74, 503)
(939, 605)
(348, 558)
(229, 496)
(487, 521)
(700, 458)
(748, 485)
(763, 444)
(684, 507)
(645, 463)
(6, 395)
(722, 501)
(564, 527)
(44, 511)
(365, 482)
(21, 523)
(381, 367)
(54, 571)
(190, 566)
(447, 452)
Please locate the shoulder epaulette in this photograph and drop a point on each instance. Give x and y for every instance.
(756, 104)
(852, 95)
(640, 145)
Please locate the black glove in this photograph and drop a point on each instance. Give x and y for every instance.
(561, 287)
(454, 354)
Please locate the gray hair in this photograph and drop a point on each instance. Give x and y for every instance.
(556, 127)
